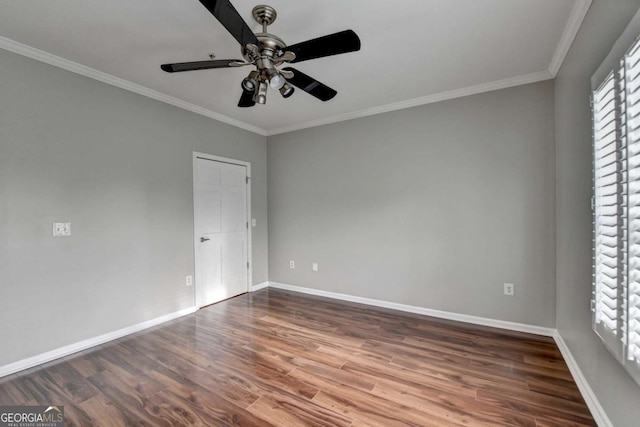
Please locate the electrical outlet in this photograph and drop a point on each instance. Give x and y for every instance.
(509, 289)
(189, 280)
(314, 266)
(61, 229)
(292, 264)
(253, 222)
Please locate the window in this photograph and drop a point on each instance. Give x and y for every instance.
(616, 211)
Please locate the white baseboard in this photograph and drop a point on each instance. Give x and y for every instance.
(259, 286)
(597, 411)
(39, 359)
(587, 392)
(494, 323)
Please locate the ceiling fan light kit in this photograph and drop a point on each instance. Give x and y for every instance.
(250, 82)
(286, 90)
(267, 53)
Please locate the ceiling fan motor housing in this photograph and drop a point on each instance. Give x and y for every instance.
(270, 45)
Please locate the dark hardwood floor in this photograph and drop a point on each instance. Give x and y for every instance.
(287, 359)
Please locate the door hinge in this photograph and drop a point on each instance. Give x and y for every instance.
(247, 265)
(248, 178)
(247, 225)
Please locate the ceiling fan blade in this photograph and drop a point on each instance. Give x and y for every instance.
(199, 65)
(230, 19)
(246, 99)
(311, 85)
(332, 44)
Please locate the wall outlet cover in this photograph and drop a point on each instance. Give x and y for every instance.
(189, 280)
(61, 229)
(292, 264)
(509, 289)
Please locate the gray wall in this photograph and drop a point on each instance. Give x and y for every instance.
(434, 206)
(615, 390)
(118, 166)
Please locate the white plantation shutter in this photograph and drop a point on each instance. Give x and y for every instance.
(631, 108)
(608, 219)
(616, 211)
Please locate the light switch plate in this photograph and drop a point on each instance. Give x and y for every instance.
(253, 222)
(314, 266)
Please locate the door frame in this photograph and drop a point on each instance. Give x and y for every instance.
(247, 165)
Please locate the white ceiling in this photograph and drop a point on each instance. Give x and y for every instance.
(413, 51)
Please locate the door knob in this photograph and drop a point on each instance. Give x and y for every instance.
(203, 239)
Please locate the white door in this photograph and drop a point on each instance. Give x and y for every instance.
(220, 230)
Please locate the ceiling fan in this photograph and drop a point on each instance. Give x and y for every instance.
(268, 53)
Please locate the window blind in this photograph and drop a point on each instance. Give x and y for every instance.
(631, 109)
(608, 218)
(616, 211)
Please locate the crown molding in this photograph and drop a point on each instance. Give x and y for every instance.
(576, 18)
(74, 67)
(429, 99)
(578, 13)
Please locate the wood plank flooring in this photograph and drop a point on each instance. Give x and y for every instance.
(286, 359)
